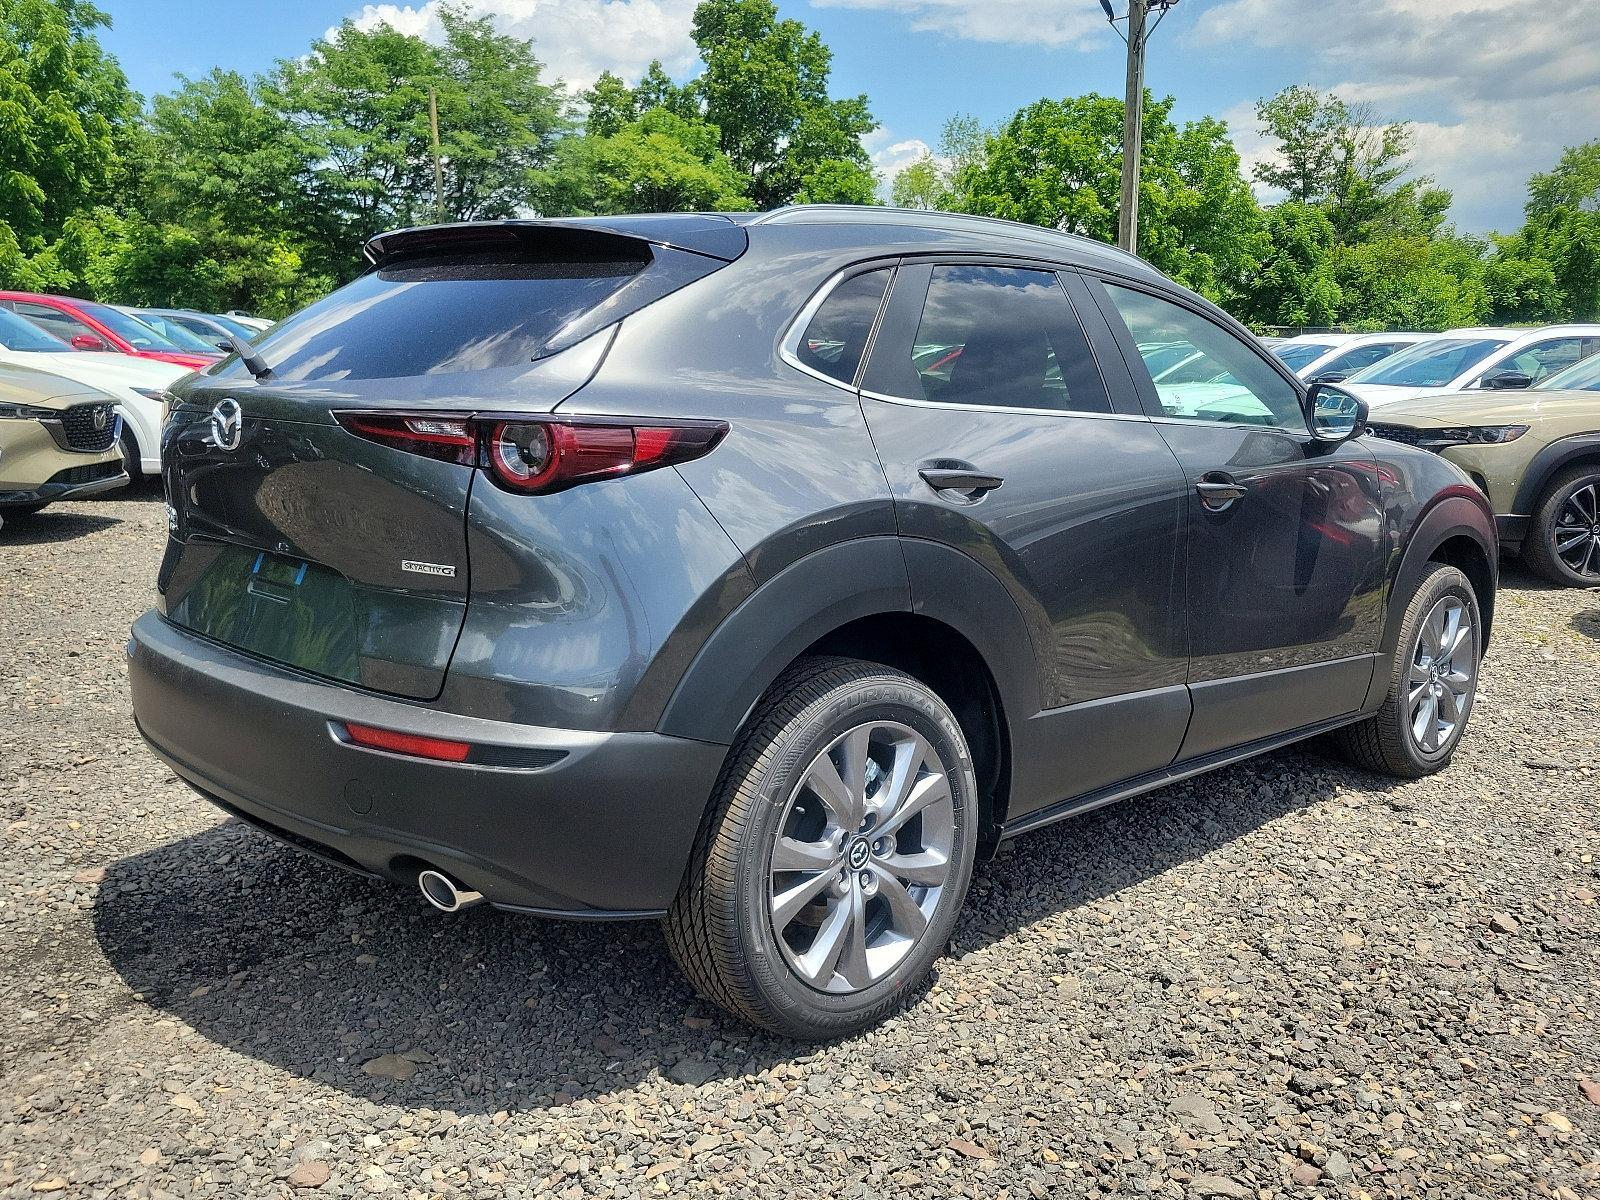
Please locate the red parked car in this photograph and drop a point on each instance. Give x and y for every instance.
(85, 325)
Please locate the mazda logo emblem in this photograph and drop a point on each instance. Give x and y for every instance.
(100, 419)
(227, 425)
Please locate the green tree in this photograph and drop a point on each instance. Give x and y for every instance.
(65, 110)
(1058, 163)
(361, 100)
(1340, 157)
(660, 162)
(1294, 283)
(1411, 281)
(765, 88)
(920, 184)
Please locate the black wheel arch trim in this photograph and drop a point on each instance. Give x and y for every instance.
(1457, 513)
(826, 590)
(1538, 473)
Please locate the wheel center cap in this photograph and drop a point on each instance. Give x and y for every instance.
(860, 852)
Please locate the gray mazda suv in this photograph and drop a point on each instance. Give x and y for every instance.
(763, 573)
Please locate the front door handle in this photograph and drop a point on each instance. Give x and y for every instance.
(959, 479)
(1219, 491)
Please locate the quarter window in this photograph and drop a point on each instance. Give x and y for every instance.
(836, 336)
(1220, 378)
(1004, 337)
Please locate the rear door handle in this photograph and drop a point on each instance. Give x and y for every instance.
(1219, 491)
(959, 479)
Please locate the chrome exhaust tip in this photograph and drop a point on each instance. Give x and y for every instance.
(444, 893)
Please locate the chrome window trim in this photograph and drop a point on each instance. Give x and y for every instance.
(789, 345)
(1000, 408)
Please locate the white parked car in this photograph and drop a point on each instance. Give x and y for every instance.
(1465, 359)
(137, 383)
(1343, 354)
(259, 324)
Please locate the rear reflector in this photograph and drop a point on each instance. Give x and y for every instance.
(408, 743)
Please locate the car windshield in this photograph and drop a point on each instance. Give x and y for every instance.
(1300, 354)
(178, 335)
(130, 329)
(18, 333)
(1433, 363)
(1582, 376)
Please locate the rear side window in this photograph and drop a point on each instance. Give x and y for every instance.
(1004, 337)
(836, 336)
(446, 313)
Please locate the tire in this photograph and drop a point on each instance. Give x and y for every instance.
(129, 445)
(1571, 503)
(737, 928)
(1388, 742)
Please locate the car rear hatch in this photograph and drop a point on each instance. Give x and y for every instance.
(295, 538)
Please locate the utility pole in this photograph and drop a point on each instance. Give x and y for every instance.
(1138, 39)
(1132, 129)
(438, 163)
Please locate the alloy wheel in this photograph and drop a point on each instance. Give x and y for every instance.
(861, 856)
(1443, 667)
(1576, 535)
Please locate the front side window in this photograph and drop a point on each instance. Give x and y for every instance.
(1004, 337)
(1361, 357)
(836, 336)
(53, 320)
(1541, 360)
(1301, 354)
(23, 335)
(1582, 377)
(1433, 363)
(1222, 380)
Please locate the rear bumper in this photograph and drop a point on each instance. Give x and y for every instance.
(605, 830)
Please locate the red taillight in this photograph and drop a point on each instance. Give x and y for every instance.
(408, 743)
(545, 454)
(449, 438)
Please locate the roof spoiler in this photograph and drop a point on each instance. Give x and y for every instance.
(697, 233)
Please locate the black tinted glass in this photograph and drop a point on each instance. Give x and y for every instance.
(836, 337)
(1005, 337)
(430, 316)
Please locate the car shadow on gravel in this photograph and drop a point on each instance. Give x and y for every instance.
(51, 526)
(358, 985)
(1588, 623)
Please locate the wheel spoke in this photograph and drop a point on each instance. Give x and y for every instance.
(853, 769)
(1425, 727)
(926, 867)
(908, 759)
(836, 795)
(1419, 673)
(1449, 707)
(930, 789)
(1570, 536)
(820, 961)
(853, 963)
(786, 905)
(908, 917)
(791, 854)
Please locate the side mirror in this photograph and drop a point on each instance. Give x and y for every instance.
(1508, 381)
(87, 341)
(1334, 415)
(225, 346)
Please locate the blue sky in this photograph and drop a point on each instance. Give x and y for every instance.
(1495, 87)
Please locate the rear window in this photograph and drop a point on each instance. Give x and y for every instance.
(446, 313)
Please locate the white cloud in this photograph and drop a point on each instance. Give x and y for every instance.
(1495, 88)
(891, 155)
(1031, 22)
(575, 39)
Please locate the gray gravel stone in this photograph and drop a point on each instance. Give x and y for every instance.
(1278, 980)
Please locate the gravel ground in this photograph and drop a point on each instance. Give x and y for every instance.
(1289, 978)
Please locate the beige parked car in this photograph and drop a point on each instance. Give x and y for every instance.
(1535, 452)
(58, 440)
